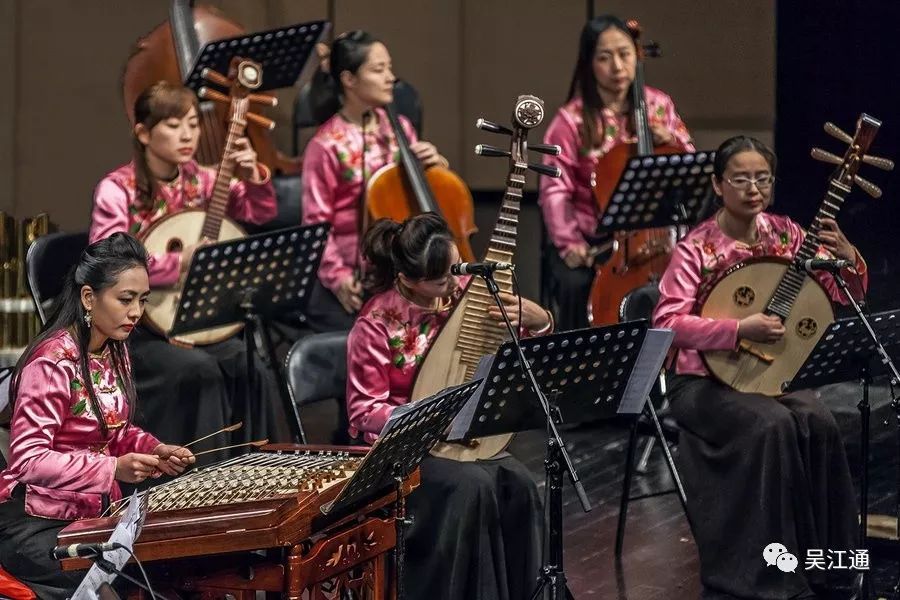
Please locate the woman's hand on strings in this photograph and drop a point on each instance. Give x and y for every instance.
(135, 468)
(173, 459)
(428, 154)
(835, 241)
(766, 329)
(244, 158)
(533, 316)
(349, 294)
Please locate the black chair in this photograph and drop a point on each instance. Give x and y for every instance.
(316, 371)
(5, 413)
(47, 263)
(639, 304)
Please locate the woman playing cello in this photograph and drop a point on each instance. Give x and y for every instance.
(595, 118)
(354, 141)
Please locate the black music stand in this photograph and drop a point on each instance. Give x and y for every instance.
(857, 348)
(407, 438)
(589, 374)
(251, 280)
(283, 53)
(660, 190)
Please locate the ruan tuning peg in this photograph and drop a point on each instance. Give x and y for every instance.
(878, 162)
(867, 186)
(819, 154)
(215, 77)
(492, 127)
(835, 131)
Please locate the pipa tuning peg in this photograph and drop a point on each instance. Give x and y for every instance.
(878, 162)
(822, 155)
(548, 170)
(835, 131)
(551, 149)
(492, 127)
(867, 186)
(488, 150)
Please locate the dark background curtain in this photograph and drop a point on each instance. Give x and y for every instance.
(836, 59)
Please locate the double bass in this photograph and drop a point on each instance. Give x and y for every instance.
(401, 190)
(167, 54)
(637, 257)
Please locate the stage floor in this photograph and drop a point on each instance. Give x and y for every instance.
(659, 558)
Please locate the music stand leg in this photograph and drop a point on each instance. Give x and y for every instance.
(290, 407)
(865, 410)
(553, 577)
(626, 487)
(670, 462)
(249, 347)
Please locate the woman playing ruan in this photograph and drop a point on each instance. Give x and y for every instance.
(353, 142)
(597, 116)
(72, 437)
(756, 469)
(476, 530)
(186, 392)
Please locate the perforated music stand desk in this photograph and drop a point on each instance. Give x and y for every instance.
(251, 280)
(659, 190)
(846, 349)
(283, 54)
(406, 440)
(588, 374)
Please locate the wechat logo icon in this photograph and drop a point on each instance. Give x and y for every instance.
(777, 555)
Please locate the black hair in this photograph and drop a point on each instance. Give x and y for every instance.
(420, 248)
(349, 51)
(736, 145)
(99, 267)
(584, 83)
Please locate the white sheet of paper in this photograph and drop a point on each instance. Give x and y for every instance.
(646, 370)
(125, 533)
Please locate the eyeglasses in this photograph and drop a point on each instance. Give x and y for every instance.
(744, 183)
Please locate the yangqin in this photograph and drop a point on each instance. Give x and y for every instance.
(206, 523)
(783, 288)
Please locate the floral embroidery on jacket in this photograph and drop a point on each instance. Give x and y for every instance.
(408, 342)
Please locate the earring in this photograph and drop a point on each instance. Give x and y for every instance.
(87, 319)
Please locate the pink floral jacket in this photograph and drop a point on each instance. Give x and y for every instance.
(333, 185)
(56, 448)
(386, 346)
(116, 208)
(700, 258)
(567, 202)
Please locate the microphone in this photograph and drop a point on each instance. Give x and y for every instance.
(83, 550)
(484, 268)
(831, 265)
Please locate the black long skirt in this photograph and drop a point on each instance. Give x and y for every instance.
(187, 393)
(25, 545)
(759, 470)
(476, 531)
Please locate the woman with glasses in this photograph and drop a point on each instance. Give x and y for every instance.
(354, 141)
(757, 470)
(597, 117)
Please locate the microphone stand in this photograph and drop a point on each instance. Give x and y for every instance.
(552, 575)
(864, 585)
(111, 569)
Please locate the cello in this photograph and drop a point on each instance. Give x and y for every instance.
(401, 190)
(167, 54)
(637, 257)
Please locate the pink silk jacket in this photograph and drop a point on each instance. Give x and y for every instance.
(333, 185)
(116, 207)
(567, 202)
(700, 258)
(56, 448)
(387, 344)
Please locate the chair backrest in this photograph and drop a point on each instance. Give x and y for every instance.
(47, 263)
(316, 370)
(639, 303)
(5, 382)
